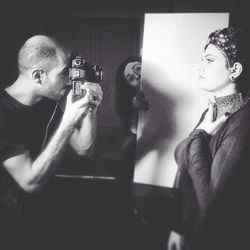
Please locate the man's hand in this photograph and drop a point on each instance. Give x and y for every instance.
(210, 126)
(140, 102)
(96, 94)
(74, 111)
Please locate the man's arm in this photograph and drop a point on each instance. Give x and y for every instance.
(32, 175)
(83, 138)
(84, 135)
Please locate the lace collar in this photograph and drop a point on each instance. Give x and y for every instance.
(230, 103)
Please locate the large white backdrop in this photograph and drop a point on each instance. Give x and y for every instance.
(171, 53)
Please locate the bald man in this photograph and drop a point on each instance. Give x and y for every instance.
(27, 154)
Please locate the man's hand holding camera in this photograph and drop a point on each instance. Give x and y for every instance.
(77, 128)
(95, 94)
(82, 102)
(77, 110)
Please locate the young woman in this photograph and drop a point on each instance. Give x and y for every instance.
(214, 161)
(128, 100)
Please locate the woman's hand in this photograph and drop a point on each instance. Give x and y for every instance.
(175, 241)
(210, 126)
(140, 102)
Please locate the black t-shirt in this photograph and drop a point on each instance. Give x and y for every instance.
(22, 128)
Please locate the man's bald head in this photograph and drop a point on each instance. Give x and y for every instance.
(39, 52)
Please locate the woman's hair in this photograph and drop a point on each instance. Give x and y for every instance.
(124, 92)
(234, 44)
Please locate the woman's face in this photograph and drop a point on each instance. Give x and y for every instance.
(214, 71)
(132, 73)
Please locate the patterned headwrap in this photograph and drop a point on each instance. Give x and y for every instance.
(227, 41)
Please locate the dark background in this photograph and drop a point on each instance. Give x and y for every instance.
(92, 212)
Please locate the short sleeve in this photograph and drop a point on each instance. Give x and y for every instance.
(9, 149)
(10, 143)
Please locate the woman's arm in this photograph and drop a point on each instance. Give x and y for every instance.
(211, 176)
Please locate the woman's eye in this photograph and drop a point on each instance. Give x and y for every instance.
(209, 60)
(130, 78)
(137, 70)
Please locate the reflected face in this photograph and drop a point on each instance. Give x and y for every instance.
(213, 72)
(132, 74)
(57, 83)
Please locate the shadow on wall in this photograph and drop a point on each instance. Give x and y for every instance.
(176, 104)
(158, 125)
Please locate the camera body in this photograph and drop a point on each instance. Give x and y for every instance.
(80, 72)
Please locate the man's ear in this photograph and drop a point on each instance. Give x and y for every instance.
(236, 70)
(38, 75)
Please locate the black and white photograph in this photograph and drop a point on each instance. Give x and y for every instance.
(124, 124)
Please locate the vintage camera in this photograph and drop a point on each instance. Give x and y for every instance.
(80, 72)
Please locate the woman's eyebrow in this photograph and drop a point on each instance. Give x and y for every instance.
(135, 65)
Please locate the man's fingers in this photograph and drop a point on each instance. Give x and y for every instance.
(95, 95)
(89, 99)
(95, 88)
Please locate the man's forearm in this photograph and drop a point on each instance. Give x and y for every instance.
(48, 160)
(82, 139)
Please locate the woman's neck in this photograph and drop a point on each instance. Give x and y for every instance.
(227, 90)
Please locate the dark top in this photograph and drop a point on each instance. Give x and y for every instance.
(213, 179)
(22, 128)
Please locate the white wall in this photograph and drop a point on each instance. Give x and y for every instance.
(172, 49)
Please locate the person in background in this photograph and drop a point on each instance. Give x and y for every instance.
(31, 145)
(128, 100)
(213, 161)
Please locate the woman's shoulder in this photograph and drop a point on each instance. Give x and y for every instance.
(241, 118)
